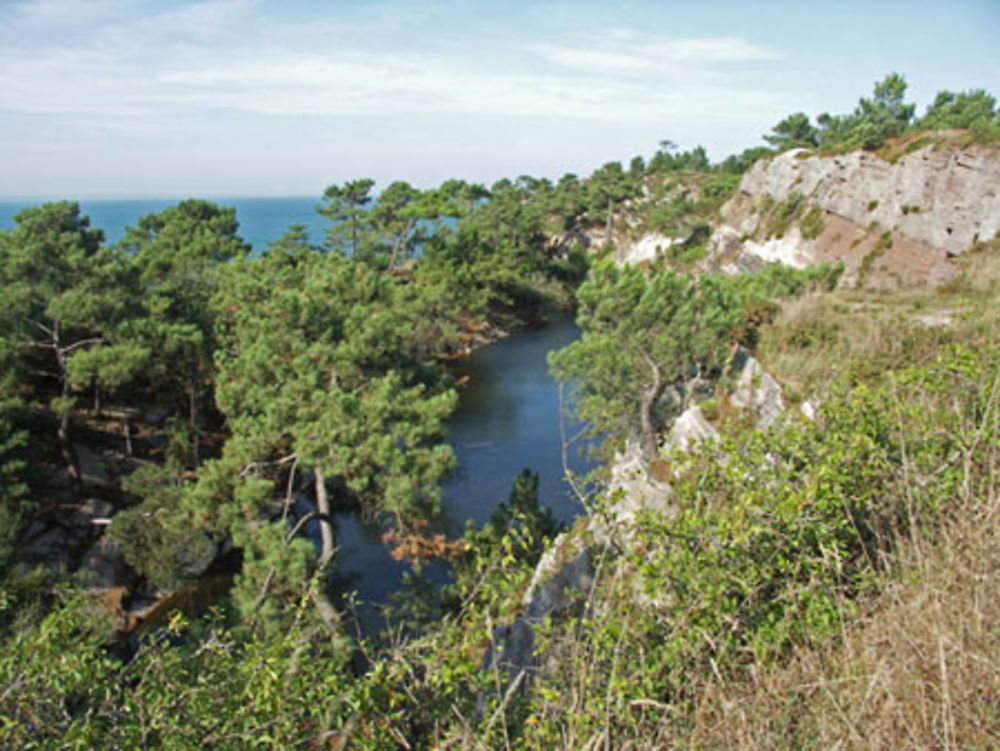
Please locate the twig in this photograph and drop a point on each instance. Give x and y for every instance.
(502, 708)
(276, 463)
(564, 446)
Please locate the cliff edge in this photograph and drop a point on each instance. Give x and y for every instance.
(894, 217)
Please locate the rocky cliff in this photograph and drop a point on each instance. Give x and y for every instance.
(895, 218)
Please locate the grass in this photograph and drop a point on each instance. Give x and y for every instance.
(813, 223)
(909, 659)
(896, 148)
(905, 657)
(918, 669)
(777, 218)
(908, 656)
(819, 338)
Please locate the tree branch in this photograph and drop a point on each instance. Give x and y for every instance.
(83, 342)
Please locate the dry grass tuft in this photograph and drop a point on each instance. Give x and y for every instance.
(818, 338)
(919, 670)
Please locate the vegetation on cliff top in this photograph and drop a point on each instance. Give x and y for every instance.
(886, 115)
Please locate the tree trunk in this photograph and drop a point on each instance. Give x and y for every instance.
(193, 416)
(649, 438)
(325, 523)
(326, 609)
(62, 431)
(399, 243)
(649, 443)
(395, 252)
(610, 225)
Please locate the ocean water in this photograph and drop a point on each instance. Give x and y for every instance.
(261, 220)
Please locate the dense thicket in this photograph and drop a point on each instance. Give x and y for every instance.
(236, 375)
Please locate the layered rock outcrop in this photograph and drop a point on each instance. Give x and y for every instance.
(891, 221)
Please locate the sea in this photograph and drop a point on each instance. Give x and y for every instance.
(261, 220)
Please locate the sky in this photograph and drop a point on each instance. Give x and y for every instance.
(226, 98)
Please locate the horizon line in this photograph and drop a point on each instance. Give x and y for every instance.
(147, 197)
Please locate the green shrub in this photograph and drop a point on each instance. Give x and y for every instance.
(813, 223)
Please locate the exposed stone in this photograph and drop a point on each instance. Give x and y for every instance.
(646, 249)
(891, 224)
(955, 190)
(808, 409)
(556, 585)
(632, 489)
(787, 249)
(197, 557)
(756, 391)
(104, 567)
(156, 414)
(557, 588)
(54, 545)
(565, 573)
(937, 318)
(691, 428)
(91, 513)
(512, 650)
(93, 466)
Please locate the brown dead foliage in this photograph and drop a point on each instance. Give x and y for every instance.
(415, 544)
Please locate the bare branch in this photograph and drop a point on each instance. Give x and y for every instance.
(83, 343)
(253, 466)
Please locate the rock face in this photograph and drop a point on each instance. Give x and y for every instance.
(645, 249)
(104, 567)
(632, 489)
(690, 428)
(891, 223)
(557, 588)
(756, 391)
(565, 573)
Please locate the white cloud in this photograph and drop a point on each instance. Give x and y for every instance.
(56, 14)
(626, 53)
(162, 76)
(721, 49)
(209, 55)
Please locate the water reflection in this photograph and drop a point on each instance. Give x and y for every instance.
(507, 420)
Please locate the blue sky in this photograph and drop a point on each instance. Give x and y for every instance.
(113, 98)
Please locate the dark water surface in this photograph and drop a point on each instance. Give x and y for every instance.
(507, 420)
